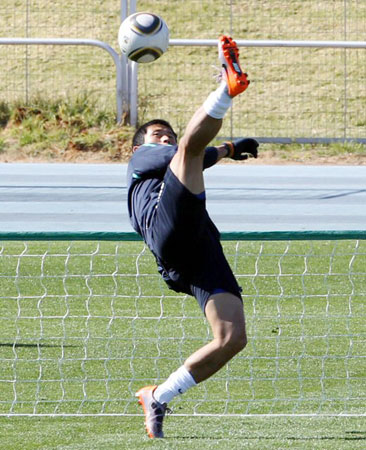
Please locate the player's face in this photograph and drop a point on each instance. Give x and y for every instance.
(159, 134)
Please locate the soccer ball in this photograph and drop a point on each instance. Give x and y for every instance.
(143, 37)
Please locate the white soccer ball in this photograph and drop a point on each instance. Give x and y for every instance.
(143, 37)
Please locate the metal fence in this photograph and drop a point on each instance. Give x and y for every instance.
(58, 71)
(297, 93)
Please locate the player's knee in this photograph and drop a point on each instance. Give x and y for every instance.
(239, 341)
(235, 341)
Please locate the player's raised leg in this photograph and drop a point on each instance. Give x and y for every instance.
(207, 121)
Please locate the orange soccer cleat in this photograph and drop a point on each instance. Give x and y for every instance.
(235, 78)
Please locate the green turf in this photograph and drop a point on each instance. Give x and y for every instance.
(183, 433)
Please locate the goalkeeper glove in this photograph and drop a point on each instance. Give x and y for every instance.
(242, 149)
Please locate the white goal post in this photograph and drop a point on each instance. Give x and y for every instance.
(86, 321)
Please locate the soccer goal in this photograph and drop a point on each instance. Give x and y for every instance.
(86, 320)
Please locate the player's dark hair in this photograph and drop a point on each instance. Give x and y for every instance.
(139, 136)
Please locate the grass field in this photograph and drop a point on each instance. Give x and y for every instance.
(105, 433)
(76, 320)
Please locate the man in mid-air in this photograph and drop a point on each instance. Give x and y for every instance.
(167, 207)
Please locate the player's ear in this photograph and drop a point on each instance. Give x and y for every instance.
(134, 148)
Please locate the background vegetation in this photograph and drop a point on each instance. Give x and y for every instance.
(70, 130)
(294, 92)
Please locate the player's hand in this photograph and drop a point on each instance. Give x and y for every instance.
(242, 149)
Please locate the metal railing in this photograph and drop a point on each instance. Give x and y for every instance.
(133, 106)
(127, 72)
(121, 99)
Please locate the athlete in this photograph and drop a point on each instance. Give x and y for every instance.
(166, 201)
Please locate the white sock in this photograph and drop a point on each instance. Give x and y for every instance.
(177, 383)
(218, 102)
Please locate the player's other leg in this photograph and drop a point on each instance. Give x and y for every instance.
(224, 311)
(225, 314)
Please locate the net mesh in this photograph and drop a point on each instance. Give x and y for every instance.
(85, 324)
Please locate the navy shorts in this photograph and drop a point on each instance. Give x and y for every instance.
(186, 244)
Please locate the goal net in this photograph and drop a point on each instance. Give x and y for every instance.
(84, 324)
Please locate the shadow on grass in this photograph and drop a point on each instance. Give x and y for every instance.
(37, 345)
(349, 436)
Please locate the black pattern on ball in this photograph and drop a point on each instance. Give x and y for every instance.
(141, 52)
(154, 27)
